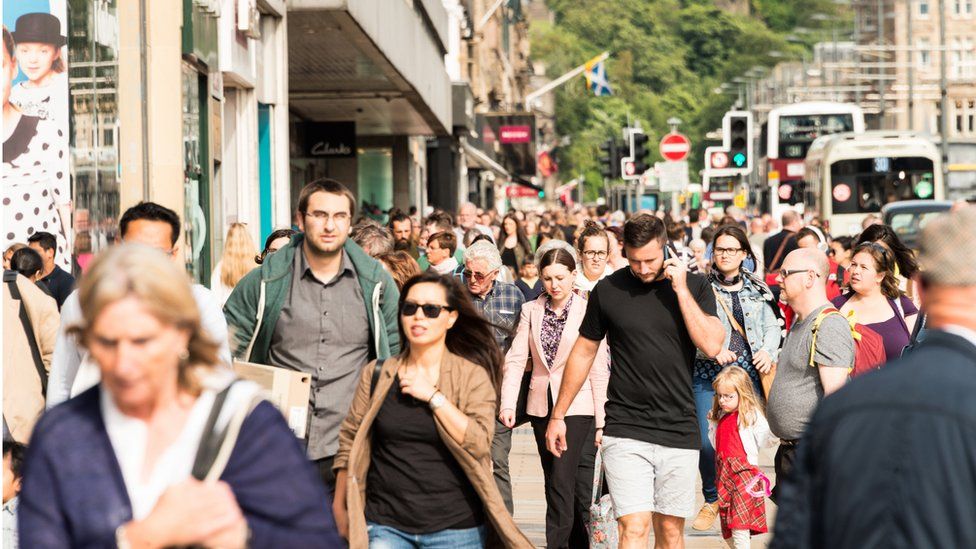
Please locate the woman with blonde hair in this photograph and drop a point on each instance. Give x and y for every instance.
(237, 261)
(167, 450)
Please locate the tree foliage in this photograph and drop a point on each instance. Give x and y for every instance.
(668, 57)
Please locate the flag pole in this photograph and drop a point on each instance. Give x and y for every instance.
(530, 98)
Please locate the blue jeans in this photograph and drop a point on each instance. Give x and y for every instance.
(385, 537)
(704, 396)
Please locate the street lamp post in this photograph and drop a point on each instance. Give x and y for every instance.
(943, 91)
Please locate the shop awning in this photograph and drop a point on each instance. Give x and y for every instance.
(482, 160)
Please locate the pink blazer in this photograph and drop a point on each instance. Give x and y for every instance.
(528, 342)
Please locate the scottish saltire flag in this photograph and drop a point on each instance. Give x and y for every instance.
(596, 77)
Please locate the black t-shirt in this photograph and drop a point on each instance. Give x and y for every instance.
(60, 283)
(414, 483)
(650, 396)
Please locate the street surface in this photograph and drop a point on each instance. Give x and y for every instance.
(530, 499)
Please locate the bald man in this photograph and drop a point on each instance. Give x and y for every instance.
(798, 388)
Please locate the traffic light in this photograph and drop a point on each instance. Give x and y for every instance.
(640, 152)
(610, 161)
(737, 134)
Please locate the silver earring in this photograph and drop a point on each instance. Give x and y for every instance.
(184, 355)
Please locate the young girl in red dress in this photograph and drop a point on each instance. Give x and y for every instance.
(737, 430)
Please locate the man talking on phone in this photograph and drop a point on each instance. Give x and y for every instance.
(655, 314)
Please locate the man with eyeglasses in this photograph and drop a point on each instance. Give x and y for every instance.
(501, 304)
(319, 305)
(798, 388)
(152, 225)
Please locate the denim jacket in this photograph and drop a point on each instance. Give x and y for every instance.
(763, 331)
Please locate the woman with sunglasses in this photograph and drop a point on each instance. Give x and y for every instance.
(593, 245)
(752, 337)
(413, 467)
(875, 298)
(547, 331)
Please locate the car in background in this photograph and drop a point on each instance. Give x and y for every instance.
(908, 217)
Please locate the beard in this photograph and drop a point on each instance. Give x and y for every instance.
(401, 246)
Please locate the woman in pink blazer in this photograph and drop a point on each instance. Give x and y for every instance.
(547, 332)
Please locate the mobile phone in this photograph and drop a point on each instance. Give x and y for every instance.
(667, 250)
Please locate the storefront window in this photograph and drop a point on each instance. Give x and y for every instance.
(94, 129)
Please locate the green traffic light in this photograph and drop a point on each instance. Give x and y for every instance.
(542, 194)
(739, 159)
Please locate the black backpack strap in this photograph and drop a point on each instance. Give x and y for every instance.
(10, 279)
(377, 368)
(211, 441)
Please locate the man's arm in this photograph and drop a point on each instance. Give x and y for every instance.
(832, 378)
(706, 331)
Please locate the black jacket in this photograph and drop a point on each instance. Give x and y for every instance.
(771, 245)
(890, 460)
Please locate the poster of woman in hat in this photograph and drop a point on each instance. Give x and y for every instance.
(36, 188)
(41, 60)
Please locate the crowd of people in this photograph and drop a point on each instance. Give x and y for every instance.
(650, 349)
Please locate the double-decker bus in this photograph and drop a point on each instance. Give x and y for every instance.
(786, 136)
(850, 175)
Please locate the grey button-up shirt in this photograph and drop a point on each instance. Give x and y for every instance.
(323, 330)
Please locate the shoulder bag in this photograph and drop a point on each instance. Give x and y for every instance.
(767, 378)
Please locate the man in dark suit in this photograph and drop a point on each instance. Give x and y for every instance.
(888, 461)
(782, 242)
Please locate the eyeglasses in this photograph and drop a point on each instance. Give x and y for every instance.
(594, 254)
(727, 251)
(725, 396)
(431, 310)
(320, 216)
(480, 277)
(783, 273)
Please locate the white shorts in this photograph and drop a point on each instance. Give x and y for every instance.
(646, 477)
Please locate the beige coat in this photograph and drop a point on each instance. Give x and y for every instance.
(467, 386)
(23, 398)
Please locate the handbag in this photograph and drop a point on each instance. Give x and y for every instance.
(216, 444)
(767, 378)
(602, 525)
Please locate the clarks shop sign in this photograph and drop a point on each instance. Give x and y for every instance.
(330, 139)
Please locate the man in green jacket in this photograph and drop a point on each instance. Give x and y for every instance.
(319, 305)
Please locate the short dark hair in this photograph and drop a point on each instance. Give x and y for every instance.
(16, 452)
(444, 239)
(150, 211)
(26, 261)
(559, 256)
(325, 185)
(642, 229)
(807, 231)
(47, 241)
(694, 215)
(441, 219)
(399, 217)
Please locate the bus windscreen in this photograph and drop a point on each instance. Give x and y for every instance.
(864, 185)
(796, 132)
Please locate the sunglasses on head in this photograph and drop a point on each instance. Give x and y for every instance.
(431, 310)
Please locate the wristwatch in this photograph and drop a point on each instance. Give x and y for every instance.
(437, 400)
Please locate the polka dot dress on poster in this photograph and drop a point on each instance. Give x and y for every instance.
(35, 184)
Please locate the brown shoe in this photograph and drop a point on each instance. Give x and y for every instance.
(706, 517)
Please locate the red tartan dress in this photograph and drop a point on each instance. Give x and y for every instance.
(736, 508)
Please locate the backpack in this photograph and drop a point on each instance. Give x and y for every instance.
(869, 352)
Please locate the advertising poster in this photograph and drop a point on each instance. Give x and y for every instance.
(35, 177)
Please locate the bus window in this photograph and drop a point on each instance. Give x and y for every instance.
(865, 185)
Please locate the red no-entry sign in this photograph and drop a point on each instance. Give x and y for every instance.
(675, 147)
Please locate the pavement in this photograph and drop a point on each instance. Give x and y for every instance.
(530, 500)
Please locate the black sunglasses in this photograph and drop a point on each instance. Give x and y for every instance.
(409, 308)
